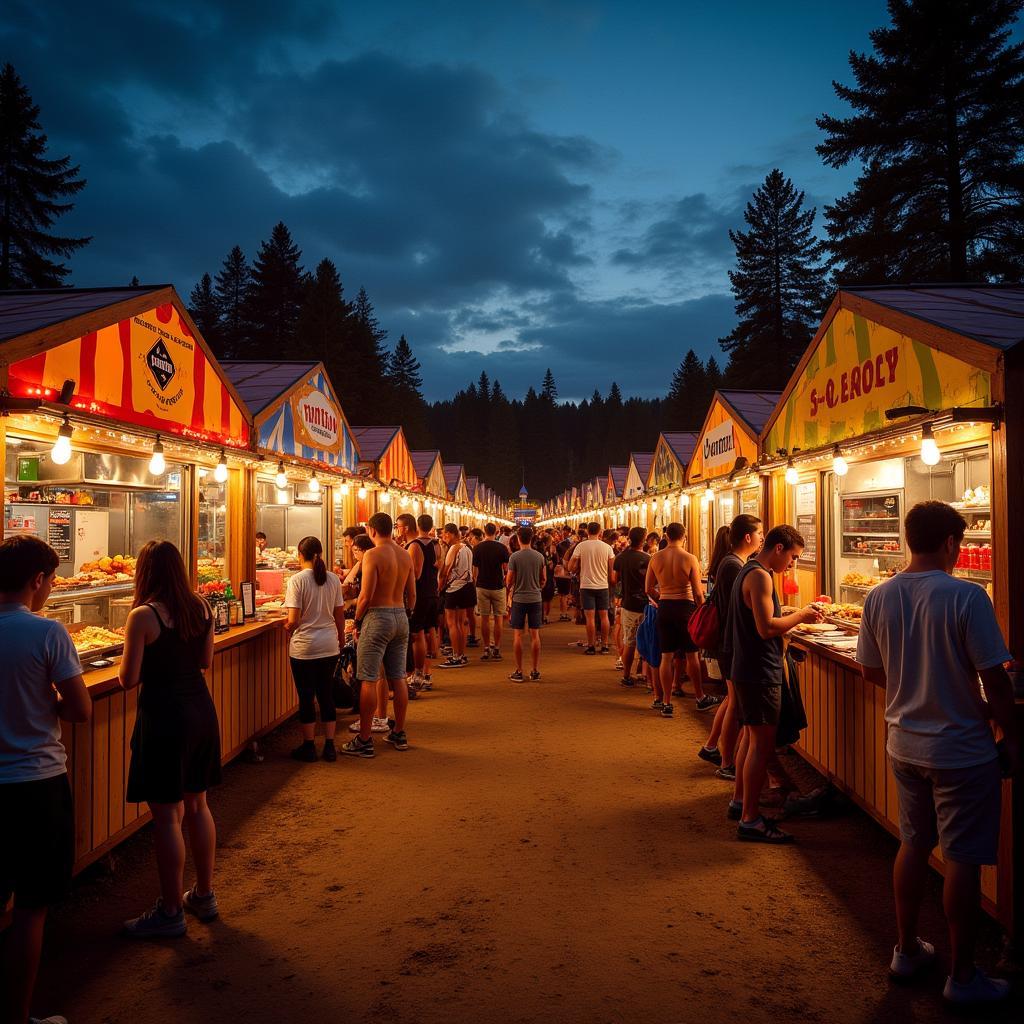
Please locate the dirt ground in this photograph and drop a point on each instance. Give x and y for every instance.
(545, 851)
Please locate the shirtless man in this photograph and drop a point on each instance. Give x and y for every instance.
(425, 551)
(674, 587)
(382, 621)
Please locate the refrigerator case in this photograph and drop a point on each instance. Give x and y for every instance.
(77, 534)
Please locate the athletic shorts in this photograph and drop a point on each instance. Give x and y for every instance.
(490, 602)
(531, 614)
(630, 624)
(424, 615)
(673, 620)
(383, 641)
(956, 808)
(461, 599)
(594, 600)
(562, 585)
(759, 703)
(38, 852)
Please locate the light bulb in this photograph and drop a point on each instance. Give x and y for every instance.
(220, 474)
(385, 497)
(791, 473)
(314, 484)
(282, 477)
(930, 455)
(839, 465)
(362, 493)
(157, 464)
(345, 488)
(684, 500)
(60, 453)
(709, 496)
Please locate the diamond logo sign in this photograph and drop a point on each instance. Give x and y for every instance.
(158, 359)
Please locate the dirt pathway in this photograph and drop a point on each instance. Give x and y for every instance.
(544, 852)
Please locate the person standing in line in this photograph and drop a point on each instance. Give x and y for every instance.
(562, 580)
(37, 851)
(505, 536)
(425, 552)
(525, 579)
(490, 558)
(315, 627)
(758, 668)
(744, 536)
(168, 645)
(593, 560)
(674, 584)
(930, 639)
(404, 531)
(459, 594)
(387, 595)
(472, 538)
(629, 570)
(545, 544)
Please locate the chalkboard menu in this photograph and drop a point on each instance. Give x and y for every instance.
(58, 532)
(807, 521)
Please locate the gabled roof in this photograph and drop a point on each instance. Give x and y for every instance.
(260, 384)
(753, 407)
(642, 461)
(22, 312)
(374, 441)
(682, 443)
(452, 473)
(618, 475)
(472, 482)
(990, 314)
(424, 460)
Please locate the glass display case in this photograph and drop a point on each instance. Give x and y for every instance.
(871, 525)
(212, 538)
(285, 515)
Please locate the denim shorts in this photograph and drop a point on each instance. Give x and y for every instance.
(383, 640)
(595, 600)
(529, 614)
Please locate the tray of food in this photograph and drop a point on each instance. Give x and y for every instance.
(95, 640)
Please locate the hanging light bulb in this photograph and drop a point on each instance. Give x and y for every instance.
(60, 453)
(684, 501)
(385, 497)
(791, 474)
(362, 493)
(282, 477)
(839, 465)
(314, 484)
(220, 474)
(157, 464)
(930, 454)
(345, 488)
(709, 495)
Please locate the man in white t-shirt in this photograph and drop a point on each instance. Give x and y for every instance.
(927, 637)
(593, 559)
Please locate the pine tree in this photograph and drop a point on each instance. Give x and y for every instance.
(483, 386)
(321, 330)
(687, 393)
(939, 131)
(615, 395)
(202, 307)
(230, 287)
(779, 284)
(273, 301)
(713, 378)
(365, 389)
(404, 370)
(33, 194)
(406, 382)
(134, 282)
(549, 389)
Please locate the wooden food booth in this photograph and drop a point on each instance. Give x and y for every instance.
(122, 428)
(900, 398)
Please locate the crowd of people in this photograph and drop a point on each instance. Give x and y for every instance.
(420, 599)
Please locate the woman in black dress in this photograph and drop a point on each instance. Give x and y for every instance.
(176, 743)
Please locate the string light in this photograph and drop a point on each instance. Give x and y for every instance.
(157, 464)
(930, 454)
(839, 465)
(282, 477)
(345, 488)
(791, 472)
(314, 484)
(362, 493)
(60, 453)
(709, 495)
(220, 474)
(385, 497)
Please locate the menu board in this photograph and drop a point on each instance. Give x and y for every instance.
(58, 532)
(807, 521)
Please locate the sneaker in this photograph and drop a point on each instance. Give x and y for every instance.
(463, 661)
(330, 752)
(604, 649)
(486, 656)
(618, 665)
(426, 685)
(657, 705)
(155, 924)
(906, 965)
(763, 830)
(516, 677)
(667, 710)
(627, 681)
(398, 739)
(727, 772)
(379, 724)
(358, 747)
(707, 703)
(495, 654)
(305, 751)
(354, 727)
(451, 662)
(204, 907)
(980, 989)
(472, 642)
(590, 650)
(534, 676)
(711, 756)
(735, 811)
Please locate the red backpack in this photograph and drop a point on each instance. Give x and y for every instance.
(705, 626)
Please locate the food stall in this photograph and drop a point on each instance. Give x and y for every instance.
(898, 399)
(638, 469)
(723, 467)
(120, 428)
(666, 479)
(429, 473)
(306, 483)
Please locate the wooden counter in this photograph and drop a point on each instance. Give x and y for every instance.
(252, 690)
(845, 741)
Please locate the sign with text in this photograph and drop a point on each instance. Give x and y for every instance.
(719, 446)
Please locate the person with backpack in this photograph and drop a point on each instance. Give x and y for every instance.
(744, 536)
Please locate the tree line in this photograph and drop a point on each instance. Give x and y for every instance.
(937, 131)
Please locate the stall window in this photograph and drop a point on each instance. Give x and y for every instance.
(285, 515)
(705, 531)
(212, 541)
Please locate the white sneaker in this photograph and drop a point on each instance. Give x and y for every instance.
(380, 725)
(354, 727)
(619, 665)
(906, 965)
(980, 989)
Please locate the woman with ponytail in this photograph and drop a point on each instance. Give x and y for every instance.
(316, 629)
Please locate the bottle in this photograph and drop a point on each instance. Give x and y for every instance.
(229, 594)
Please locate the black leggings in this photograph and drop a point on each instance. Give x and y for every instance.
(315, 679)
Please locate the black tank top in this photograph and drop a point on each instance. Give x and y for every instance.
(754, 659)
(171, 667)
(426, 582)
